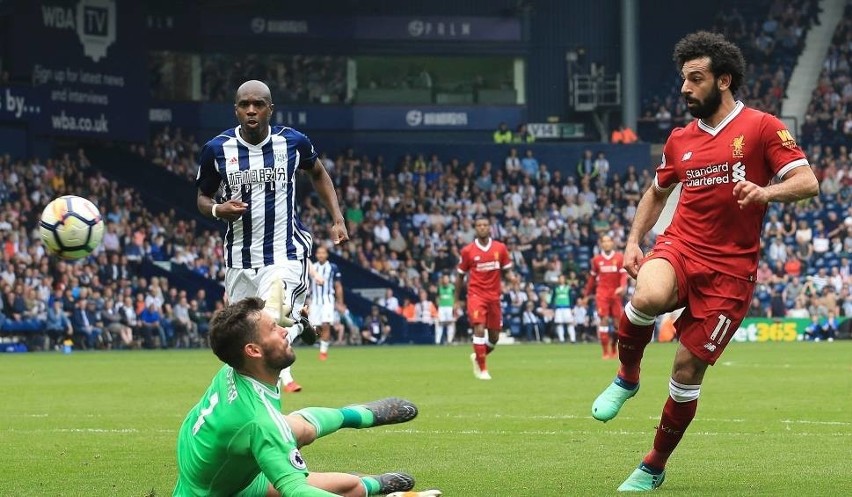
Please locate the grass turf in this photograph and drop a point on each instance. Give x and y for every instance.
(773, 419)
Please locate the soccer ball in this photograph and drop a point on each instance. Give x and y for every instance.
(71, 227)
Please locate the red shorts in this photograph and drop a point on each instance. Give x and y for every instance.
(485, 312)
(609, 306)
(715, 303)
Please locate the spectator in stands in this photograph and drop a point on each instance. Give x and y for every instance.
(623, 134)
(777, 250)
(112, 319)
(503, 134)
(664, 123)
(408, 310)
(799, 310)
(57, 325)
(522, 135)
(346, 331)
(820, 241)
(512, 163)
(602, 166)
(757, 309)
(531, 323)
(129, 318)
(539, 264)
(585, 329)
(376, 329)
(830, 326)
(86, 325)
(389, 301)
(425, 310)
(530, 165)
(200, 319)
(153, 333)
(586, 166)
(186, 331)
(381, 232)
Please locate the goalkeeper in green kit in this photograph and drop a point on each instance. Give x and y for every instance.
(236, 442)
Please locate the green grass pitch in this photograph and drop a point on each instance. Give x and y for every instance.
(774, 419)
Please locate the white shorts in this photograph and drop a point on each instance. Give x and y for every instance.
(445, 315)
(241, 283)
(563, 316)
(322, 313)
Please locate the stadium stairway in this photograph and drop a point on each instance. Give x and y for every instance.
(806, 73)
(165, 191)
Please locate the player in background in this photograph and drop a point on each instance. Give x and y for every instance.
(446, 311)
(425, 310)
(608, 278)
(266, 245)
(484, 261)
(326, 294)
(235, 441)
(563, 311)
(731, 161)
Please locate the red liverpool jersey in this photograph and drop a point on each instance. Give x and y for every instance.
(484, 265)
(606, 273)
(708, 224)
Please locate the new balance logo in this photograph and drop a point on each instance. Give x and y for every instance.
(686, 157)
(710, 346)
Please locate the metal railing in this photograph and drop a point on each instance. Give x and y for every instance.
(589, 92)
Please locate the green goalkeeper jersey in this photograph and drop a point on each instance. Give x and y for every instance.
(562, 297)
(236, 436)
(446, 296)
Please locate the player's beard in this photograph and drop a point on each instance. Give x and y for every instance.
(707, 107)
(277, 359)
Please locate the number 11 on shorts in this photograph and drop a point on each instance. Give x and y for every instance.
(723, 325)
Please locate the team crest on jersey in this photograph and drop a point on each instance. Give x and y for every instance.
(297, 461)
(737, 147)
(280, 159)
(786, 138)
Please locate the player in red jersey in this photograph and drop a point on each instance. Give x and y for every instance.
(484, 261)
(608, 278)
(731, 161)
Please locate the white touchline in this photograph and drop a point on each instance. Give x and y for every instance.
(808, 422)
(589, 432)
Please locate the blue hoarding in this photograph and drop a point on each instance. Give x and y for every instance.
(88, 69)
(435, 118)
(345, 118)
(245, 24)
(438, 28)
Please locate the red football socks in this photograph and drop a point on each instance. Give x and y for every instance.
(480, 350)
(632, 339)
(604, 338)
(673, 423)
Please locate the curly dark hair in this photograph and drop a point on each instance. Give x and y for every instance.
(725, 57)
(232, 328)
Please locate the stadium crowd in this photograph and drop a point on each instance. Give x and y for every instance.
(828, 120)
(408, 223)
(102, 301)
(409, 217)
(771, 34)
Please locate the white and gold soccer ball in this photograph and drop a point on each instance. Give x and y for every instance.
(71, 227)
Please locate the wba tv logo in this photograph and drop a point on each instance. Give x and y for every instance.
(92, 20)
